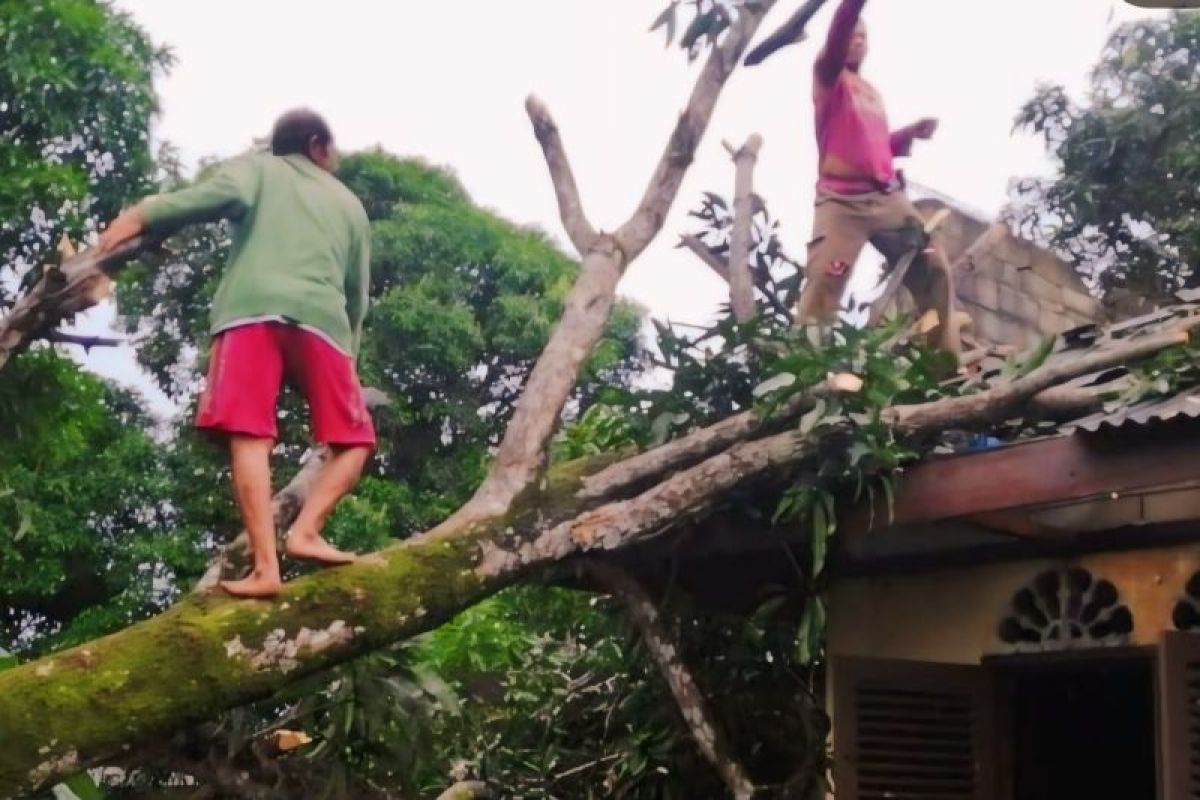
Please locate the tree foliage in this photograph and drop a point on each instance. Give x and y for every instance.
(86, 508)
(1121, 203)
(76, 99)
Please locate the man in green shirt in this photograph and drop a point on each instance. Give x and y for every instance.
(290, 305)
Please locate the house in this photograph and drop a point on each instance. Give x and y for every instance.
(1026, 625)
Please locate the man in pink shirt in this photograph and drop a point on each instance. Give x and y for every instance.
(860, 197)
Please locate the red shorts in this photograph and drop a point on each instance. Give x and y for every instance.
(248, 366)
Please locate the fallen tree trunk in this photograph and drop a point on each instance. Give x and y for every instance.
(94, 702)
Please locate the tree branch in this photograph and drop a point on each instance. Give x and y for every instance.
(789, 33)
(741, 283)
(570, 207)
(988, 405)
(711, 259)
(666, 652)
(630, 472)
(522, 452)
(86, 342)
(645, 223)
(81, 282)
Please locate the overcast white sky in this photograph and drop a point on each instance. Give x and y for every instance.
(446, 79)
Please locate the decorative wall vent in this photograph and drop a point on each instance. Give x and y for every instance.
(1186, 615)
(1067, 608)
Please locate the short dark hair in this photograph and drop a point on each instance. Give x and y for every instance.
(295, 129)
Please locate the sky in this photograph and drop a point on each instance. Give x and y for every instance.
(446, 81)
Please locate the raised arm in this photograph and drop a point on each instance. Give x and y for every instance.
(837, 46)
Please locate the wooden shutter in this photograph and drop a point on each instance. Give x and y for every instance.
(1179, 715)
(906, 730)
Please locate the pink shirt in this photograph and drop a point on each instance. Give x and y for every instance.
(854, 143)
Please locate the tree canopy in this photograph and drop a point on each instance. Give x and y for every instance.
(1128, 163)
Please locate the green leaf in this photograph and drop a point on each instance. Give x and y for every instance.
(700, 26)
(78, 787)
(890, 497)
(666, 19)
(773, 384)
(820, 539)
(1037, 357)
(811, 632)
(24, 521)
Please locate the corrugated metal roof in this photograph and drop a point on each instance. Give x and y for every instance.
(1186, 404)
(1143, 412)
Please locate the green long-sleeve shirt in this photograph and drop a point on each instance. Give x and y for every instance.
(301, 243)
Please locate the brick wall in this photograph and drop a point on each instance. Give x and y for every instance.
(1015, 292)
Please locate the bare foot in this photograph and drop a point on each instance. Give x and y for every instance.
(256, 584)
(311, 547)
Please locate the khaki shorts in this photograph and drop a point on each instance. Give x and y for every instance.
(842, 225)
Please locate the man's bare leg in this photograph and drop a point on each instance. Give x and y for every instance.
(251, 457)
(336, 479)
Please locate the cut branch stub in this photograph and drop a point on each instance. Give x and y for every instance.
(741, 282)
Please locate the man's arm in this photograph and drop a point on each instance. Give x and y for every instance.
(902, 139)
(837, 46)
(225, 194)
(358, 285)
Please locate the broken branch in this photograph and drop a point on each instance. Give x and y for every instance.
(665, 651)
(81, 282)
